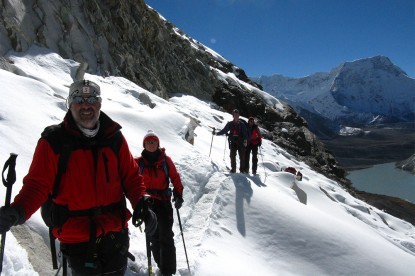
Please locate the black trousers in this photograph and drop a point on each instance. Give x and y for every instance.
(111, 258)
(254, 150)
(162, 242)
(237, 147)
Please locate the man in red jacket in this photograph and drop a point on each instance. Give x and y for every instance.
(89, 210)
(158, 170)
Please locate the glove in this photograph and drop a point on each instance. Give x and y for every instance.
(11, 216)
(245, 143)
(213, 132)
(177, 199)
(143, 214)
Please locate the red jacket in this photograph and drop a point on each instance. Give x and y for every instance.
(155, 177)
(87, 183)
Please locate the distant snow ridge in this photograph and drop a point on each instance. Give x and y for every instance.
(354, 94)
(348, 131)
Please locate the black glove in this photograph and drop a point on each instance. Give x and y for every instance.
(213, 132)
(177, 199)
(142, 213)
(11, 216)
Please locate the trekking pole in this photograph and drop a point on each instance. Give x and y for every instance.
(150, 267)
(63, 266)
(184, 245)
(11, 178)
(53, 249)
(211, 142)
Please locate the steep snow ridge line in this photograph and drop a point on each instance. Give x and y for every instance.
(34, 245)
(212, 197)
(204, 206)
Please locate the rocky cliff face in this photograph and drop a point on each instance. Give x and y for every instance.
(129, 39)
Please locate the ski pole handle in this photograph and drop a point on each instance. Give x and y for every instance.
(11, 177)
(8, 183)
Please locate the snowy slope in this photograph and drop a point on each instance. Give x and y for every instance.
(234, 224)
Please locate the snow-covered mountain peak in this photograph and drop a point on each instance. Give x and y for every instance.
(352, 94)
(373, 65)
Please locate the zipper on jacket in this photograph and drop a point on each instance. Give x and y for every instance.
(107, 174)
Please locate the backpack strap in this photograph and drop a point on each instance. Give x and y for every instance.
(141, 164)
(62, 164)
(54, 134)
(166, 169)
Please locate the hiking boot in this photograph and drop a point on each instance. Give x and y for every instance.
(232, 171)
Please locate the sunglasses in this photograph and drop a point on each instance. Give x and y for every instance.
(151, 142)
(88, 100)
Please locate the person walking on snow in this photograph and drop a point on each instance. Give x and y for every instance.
(237, 137)
(254, 142)
(158, 170)
(89, 213)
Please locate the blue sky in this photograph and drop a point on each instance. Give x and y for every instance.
(297, 38)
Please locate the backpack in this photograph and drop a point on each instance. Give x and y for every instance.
(52, 214)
